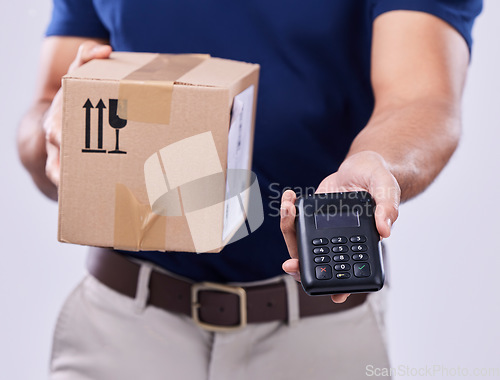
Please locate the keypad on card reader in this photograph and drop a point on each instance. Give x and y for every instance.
(324, 272)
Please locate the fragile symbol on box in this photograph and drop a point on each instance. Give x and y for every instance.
(114, 121)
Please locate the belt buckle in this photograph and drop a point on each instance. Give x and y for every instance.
(195, 305)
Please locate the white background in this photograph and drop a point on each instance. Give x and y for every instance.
(445, 265)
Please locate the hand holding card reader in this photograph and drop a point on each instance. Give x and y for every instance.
(339, 245)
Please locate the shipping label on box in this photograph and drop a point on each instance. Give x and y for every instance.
(156, 153)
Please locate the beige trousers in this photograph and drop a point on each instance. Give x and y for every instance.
(103, 335)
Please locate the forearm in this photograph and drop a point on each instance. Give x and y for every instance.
(416, 139)
(32, 149)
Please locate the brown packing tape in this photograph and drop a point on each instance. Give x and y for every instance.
(137, 228)
(145, 95)
(147, 102)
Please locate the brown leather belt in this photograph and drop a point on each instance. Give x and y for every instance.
(213, 306)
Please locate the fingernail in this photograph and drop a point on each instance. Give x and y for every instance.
(287, 196)
(293, 274)
(98, 49)
(389, 222)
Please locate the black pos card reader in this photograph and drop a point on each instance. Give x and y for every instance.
(339, 246)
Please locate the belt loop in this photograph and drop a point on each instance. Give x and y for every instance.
(292, 297)
(142, 292)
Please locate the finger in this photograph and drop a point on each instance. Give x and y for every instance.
(90, 50)
(51, 133)
(387, 195)
(339, 298)
(52, 165)
(287, 221)
(53, 121)
(291, 267)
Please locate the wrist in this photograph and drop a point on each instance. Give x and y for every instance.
(31, 139)
(31, 145)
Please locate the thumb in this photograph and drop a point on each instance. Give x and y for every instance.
(90, 50)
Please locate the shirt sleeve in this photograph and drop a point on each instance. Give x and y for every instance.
(76, 18)
(460, 14)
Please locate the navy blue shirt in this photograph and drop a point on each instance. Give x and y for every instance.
(314, 92)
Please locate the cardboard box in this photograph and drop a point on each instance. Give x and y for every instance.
(147, 142)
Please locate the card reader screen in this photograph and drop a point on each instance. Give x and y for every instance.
(326, 221)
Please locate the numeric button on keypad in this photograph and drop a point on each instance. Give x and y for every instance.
(321, 259)
(340, 248)
(341, 258)
(359, 248)
(360, 256)
(321, 250)
(342, 267)
(357, 239)
(320, 241)
(339, 240)
(324, 272)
